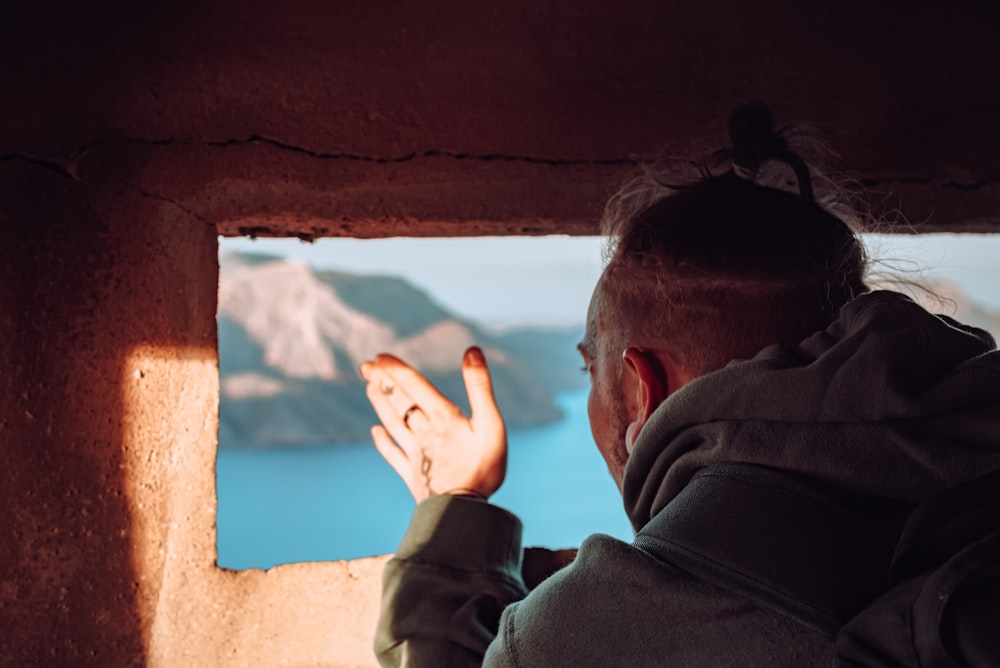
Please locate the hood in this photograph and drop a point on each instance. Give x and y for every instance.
(889, 401)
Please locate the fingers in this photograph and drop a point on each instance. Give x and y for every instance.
(396, 407)
(416, 386)
(409, 386)
(386, 447)
(386, 407)
(426, 439)
(394, 386)
(479, 386)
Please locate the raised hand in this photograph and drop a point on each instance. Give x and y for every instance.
(425, 437)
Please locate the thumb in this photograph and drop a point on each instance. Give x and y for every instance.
(479, 387)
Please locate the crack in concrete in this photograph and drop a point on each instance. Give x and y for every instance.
(80, 153)
(49, 165)
(66, 166)
(430, 153)
(66, 173)
(173, 202)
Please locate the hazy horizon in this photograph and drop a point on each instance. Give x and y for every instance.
(505, 281)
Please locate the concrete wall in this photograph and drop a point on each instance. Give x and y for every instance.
(108, 436)
(379, 118)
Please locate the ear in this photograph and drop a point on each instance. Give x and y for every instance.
(653, 378)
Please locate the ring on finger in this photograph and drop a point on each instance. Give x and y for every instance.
(408, 414)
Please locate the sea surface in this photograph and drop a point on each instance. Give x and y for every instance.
(343, 501)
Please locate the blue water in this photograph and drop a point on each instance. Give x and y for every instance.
(344, 501)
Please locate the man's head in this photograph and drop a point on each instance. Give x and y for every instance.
(697, 278)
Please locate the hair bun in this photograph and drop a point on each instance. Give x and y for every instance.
(751, 131)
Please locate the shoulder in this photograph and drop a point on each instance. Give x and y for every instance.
(616, 605)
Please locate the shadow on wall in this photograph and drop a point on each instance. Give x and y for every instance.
(89, 302)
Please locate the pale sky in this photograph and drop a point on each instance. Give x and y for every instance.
(548, 280)
(492, 280)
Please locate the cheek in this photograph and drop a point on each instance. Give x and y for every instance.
(593, 413)
(590, 406)
(601, 427)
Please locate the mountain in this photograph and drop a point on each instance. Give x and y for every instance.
(553, 354)
(291, 339)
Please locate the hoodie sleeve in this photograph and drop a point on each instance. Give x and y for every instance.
(456, 569)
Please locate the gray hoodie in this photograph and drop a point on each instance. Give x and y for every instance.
(888, 405)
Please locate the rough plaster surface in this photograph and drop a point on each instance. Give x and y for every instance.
(381, 118)
(109, 404)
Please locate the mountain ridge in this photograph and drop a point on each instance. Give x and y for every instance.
(291, 339)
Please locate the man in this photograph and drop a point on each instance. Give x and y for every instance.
(731, 324)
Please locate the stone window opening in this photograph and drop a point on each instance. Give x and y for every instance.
(294, 447)
(290, 514)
